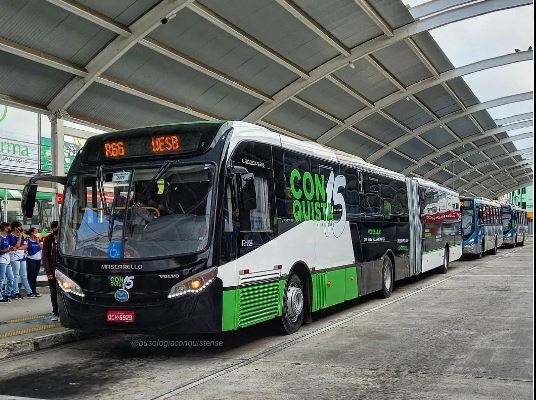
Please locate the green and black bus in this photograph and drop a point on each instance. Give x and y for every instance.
(215, 226)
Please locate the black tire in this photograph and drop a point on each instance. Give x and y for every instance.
(515, 242)
(388, 280)
(494, 251)
(446, 260)
(523, 241)
(293, 305)
(482, 249)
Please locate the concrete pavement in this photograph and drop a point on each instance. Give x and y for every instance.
(464, 335)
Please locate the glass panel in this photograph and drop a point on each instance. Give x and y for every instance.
(467, 222)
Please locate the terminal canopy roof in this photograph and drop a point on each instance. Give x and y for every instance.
(362, 76)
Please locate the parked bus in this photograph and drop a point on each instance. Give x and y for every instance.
(481, 226)
(515, 225)
(215, 226)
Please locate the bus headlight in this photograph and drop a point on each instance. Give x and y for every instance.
(194, 284)
(470, 242)
(68, 285)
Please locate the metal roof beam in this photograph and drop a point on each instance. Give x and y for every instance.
(518, 185)
(111, 53)
(373, 45)
(314, 26)
(519, 180)
(481, 182)
(41, 57)
(155, 98)
(448, 118)
(103, 21)
(435, 6)
(514, 118)
(382, 70)
(468, 140)
(489, 175)
(233, 30)
(89, 14)
(423, 85)
(204, 69)
(375, 17)
(481, 149)
(474, 168)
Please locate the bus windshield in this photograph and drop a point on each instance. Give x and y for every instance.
(137, 213)
(506, 220)
(468, 224)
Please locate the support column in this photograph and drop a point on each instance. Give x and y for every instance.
(58, 153)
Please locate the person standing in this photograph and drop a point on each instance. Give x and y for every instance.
(50, 254)
(33, 259)
(5, 264)
(18, 260)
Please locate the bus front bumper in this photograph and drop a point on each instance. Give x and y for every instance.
(509, 240)
(194, 313)
(474, 248)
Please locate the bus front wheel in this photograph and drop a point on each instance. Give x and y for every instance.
(523, 241)
(293, 305)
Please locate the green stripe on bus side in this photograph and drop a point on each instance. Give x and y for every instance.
(252, 304)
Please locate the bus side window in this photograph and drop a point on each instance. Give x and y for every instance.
(352, 192)
(372, 202)
(257, 159)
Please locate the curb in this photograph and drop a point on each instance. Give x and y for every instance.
(30, 345)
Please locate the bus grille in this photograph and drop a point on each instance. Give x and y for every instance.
(258, 303)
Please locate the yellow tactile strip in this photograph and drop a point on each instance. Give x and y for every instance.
(25, 331)
(23, 319)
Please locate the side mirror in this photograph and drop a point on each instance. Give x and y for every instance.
(28, 199)
(248, 193)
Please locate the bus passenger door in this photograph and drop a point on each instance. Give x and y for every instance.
(255, 196)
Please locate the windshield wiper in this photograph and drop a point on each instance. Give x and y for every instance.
(153, 181)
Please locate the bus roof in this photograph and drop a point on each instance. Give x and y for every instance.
(245, 130)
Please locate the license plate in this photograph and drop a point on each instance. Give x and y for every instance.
(120, 316)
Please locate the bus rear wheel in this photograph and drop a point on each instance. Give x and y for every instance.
(446, 258)
(482, 249)
(494, 251)
(387, 277)
(293, 305)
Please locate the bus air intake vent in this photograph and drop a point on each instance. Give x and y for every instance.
(258, 303)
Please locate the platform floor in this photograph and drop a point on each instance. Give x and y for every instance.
(464, 335)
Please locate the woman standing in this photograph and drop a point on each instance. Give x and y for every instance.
(33, 259)
(18, 260)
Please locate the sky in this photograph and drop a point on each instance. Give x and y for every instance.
(489, 36)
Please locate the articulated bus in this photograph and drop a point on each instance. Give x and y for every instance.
(515, 225)
(481, 226)
(215, 226)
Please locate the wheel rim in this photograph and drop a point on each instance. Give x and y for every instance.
(387, 275)
(294, 302)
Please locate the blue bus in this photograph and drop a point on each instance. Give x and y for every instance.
(481, 226)
(514, 225)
